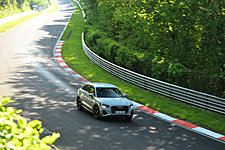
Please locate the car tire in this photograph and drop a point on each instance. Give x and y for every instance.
(96, 112)
(129, 118)
(79, 106)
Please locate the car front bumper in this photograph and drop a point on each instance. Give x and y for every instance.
(109, 112)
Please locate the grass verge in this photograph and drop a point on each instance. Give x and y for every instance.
(74, 56)
(9, 25)
(54, 7)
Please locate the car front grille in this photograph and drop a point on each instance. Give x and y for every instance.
(119, 108)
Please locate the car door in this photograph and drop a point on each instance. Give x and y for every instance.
(85, 94)
(90, 99)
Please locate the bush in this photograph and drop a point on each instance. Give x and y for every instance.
(17, 133)
(107, 48)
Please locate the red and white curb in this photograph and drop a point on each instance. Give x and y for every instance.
(58, 57)
(184, 124)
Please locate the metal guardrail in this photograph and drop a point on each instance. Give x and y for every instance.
(195, 98)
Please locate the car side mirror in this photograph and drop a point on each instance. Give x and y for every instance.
(91, 95)
(125, 95)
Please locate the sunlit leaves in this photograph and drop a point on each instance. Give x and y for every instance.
(50, 139)
(17, 133)
(22, 122)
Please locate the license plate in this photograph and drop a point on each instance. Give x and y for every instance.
(120, 112)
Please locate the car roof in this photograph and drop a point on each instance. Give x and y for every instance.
(102, 85)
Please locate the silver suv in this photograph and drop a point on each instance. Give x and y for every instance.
(104, 100)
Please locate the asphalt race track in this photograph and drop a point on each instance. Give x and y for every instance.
(29, 74)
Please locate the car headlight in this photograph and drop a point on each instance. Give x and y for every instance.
(104, 106)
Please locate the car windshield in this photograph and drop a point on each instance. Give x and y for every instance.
(108, 92)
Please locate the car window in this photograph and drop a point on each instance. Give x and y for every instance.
(108, 92)
(92, 90)
(86, 87)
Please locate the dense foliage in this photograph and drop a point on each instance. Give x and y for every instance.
(9, 7)
(17, 134)
(178, 41)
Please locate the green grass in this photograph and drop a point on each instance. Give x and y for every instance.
(9, 25)
(73, 55)
(54, 7)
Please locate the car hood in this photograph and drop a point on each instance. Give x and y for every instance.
(114, 101)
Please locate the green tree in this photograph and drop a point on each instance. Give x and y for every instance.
(178, 41)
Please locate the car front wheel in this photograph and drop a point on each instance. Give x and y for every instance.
(79, 106)
(129, 118)
(96, 112)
